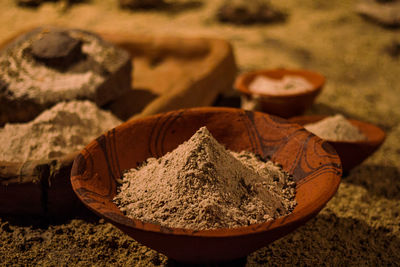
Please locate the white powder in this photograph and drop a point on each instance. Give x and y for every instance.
(201, 185)
(28, 79)
(102, 53)
(63, 129)
(335, 128)
(289, 84)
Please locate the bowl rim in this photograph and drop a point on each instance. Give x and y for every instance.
(295, 217)
(377, 138)
(243, 81)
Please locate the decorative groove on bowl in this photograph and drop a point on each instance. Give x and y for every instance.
(157, 137)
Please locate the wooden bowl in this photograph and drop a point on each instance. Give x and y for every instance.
(313, 162)
(351, 153)
(285, 105)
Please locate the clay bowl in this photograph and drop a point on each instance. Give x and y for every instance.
(285, 105)
(313, 162)
(351, 153)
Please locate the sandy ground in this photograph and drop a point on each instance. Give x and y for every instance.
(359, 226)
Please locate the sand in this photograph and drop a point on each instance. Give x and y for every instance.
(359, 226)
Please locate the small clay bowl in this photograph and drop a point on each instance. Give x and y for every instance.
(312, 161)
(351, 153)
(287, 104)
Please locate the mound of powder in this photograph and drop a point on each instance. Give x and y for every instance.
(287, 85)
(335, 128)
(28, 78)
(65, 128)
(201, 185)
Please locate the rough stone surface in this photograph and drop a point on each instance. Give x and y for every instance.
(57, 49)
(248, 12)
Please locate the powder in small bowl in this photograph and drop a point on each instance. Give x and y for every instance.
(201, 185)
(336, 128)
(289, 84)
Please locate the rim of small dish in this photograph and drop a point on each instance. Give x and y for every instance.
(243, 81)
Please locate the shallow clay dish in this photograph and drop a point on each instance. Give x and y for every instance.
(285, 105)
(351, 153)
(313, 162)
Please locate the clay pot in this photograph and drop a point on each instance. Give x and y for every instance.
(351, 153)
(285, 105)
(312, 161)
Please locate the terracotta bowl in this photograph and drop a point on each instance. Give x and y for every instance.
(313, 162)
(351, 153)
(285, 105)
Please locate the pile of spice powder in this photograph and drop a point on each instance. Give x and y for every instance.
(335, 128)
(62, 129)
(289, 84)
(200, 185)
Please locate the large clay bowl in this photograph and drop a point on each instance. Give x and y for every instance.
(313, 162)
(351, 153)
(285, 105)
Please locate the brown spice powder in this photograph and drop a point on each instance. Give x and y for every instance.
(335, 128)
(62, 129)
(201, 185)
